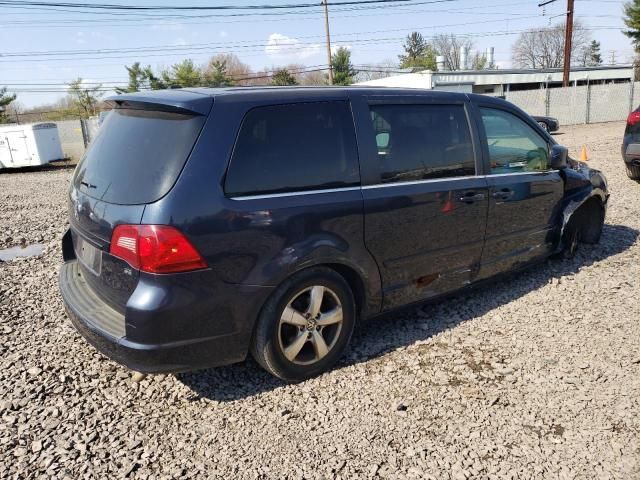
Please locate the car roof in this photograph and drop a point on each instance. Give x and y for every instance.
(199, 99)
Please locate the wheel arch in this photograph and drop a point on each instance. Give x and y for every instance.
(366, 286)
(580, 206)
(355, 281)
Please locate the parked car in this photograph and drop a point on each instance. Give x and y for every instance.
(631, 145)
(206, 224)
(548, 124)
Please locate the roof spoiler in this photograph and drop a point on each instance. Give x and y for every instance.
(178, 101)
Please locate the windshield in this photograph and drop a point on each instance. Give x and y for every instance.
(137, 155)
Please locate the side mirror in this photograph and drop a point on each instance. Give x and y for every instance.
(559, 155)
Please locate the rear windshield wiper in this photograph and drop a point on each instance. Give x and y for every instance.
(88, 185)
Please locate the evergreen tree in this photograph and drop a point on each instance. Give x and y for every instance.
(5, 100)
(343, 71)
(632, 21)
(591, 56)
(479, 62)
(282, 77)
(418, 53)
(137, 79)
(216, 75)
(183, 74)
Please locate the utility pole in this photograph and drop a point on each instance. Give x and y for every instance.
(568, 34)
(326, 29)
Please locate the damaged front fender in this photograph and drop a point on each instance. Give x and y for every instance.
(582, 183)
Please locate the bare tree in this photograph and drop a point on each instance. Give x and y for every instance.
(544, 47)
(239, 72)
(314, 78)
(449, 47)
(86, 98)
(383, 69)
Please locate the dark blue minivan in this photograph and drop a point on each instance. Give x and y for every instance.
(209, 223)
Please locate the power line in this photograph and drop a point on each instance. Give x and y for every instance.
(170, 47)
(110, 7)
(252, 47)
(280, 16)
(246, 43)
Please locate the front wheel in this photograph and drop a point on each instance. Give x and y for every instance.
(584, 226)
(305, 326)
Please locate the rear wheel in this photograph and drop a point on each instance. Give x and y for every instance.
(633, 171)
(544, 126)
(305, 326)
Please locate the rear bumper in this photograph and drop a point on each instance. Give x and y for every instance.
(631, 153)
(105, 329)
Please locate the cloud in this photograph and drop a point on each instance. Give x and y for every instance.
(280, 47)
(179, 42)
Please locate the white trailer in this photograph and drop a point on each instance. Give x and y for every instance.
(29, 145)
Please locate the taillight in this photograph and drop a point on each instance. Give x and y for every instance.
(155, 249)
(633, 118)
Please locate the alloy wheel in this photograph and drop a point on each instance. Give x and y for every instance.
(310, 325)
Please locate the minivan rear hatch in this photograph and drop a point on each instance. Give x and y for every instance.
(138, 153)
(135, 159)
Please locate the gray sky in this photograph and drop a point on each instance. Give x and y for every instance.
(52, 47)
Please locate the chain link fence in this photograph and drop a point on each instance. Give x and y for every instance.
(580, 104)
(75, 136)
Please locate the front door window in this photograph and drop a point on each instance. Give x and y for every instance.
(514, 146)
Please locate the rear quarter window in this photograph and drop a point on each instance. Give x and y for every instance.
(137, 155)
(294, 147)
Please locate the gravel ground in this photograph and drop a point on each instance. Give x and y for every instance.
(535, 377)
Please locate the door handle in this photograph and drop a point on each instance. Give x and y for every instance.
(470, 197)
(504, 194)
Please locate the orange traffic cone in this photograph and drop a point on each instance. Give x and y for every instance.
(584, 156)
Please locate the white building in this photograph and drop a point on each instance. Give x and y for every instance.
(499, 82)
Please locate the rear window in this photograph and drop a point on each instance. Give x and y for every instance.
(137, 155)
(295, 147)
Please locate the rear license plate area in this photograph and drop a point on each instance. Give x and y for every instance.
(89, 256)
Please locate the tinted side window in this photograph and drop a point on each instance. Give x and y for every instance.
(283, 148)
(418, 142)
(513, 145)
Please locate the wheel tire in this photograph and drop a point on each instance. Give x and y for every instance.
(633, 171)
(570, 238)
(272, 334)
(544, 126)
(591, 224)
